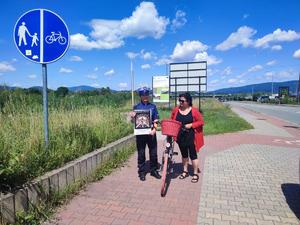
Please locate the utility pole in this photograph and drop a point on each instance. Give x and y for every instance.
(272, 84)
(298, 90)
(132, 83)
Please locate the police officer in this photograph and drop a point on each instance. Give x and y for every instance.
(149, 140)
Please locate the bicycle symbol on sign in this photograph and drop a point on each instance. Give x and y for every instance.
(55, 37)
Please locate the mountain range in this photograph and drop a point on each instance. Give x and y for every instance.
(247, 89)
(259, 88)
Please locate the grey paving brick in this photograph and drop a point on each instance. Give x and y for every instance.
(246, 181)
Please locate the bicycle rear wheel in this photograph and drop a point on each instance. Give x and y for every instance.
(164, 176)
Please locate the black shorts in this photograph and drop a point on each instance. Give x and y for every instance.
(187, 146)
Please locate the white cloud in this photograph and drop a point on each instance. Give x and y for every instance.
(96, 69)
(65, 70)
(276, 47)
(227, 71)
(75, 58)
(146, 55)
(232, 81)
(297, 54)
(95, 85)
(179, 20)
(146, 66)
(214, 81)
(245, 16)
(92, 76)
(241, 75)
(14, 60)
(132, 55)
(109, 34)
(271, 63)
(188, 50)
(286, 74)
(241, 37)
(123, 85)
(6, 67)
(277, 36)
(255, 68)
(236, 81)
(211, 60)
(281, 75)
(211, 72)
(109, 72)
(16, 85)
(32, 76)
(269, 75)
(163, 61)
(82, 42)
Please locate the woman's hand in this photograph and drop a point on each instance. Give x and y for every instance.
(188, 126)
(152, 132)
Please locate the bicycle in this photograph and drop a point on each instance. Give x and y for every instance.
(170, 128)
(55, 37)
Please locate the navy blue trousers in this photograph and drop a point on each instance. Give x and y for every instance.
(151, 142)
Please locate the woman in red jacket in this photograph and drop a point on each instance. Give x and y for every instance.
(190, 137)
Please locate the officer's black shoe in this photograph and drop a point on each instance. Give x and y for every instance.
(142, 177)
(155, 174)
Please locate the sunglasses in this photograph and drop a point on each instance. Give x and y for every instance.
(181, 100)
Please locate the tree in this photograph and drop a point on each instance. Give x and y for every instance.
(62, 91)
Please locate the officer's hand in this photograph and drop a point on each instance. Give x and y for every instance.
(132, 114)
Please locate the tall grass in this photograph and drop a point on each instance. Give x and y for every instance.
(73, 131)
(218, 118)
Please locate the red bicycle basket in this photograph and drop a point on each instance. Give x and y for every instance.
(170, 127)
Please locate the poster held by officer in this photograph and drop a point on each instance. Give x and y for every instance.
(142, 122)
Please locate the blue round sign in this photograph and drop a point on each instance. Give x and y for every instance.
(41, 36)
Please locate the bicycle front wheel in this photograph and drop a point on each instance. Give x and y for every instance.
(164, 176)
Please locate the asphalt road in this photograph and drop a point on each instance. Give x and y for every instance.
(288, 113)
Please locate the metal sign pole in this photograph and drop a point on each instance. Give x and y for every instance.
(45, 103)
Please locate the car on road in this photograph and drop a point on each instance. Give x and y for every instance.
(263, 99)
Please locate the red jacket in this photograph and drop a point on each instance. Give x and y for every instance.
(197, 125)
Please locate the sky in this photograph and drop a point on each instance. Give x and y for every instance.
(243, 41)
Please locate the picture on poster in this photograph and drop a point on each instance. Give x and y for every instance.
(142, 122)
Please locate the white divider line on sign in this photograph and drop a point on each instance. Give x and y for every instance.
(41, 35)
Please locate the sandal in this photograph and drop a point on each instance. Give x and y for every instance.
(184, 175)
(195, 178)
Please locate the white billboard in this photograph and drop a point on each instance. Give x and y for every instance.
(189, 76)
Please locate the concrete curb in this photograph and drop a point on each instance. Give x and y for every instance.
(57, 180)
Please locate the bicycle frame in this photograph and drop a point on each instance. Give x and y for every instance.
(167, 161)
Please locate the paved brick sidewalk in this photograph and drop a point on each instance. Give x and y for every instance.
(122, 199)
(251, 184)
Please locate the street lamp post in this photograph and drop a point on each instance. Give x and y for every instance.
(272, 84)
(132, 83)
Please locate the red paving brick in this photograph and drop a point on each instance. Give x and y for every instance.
(122, 198)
